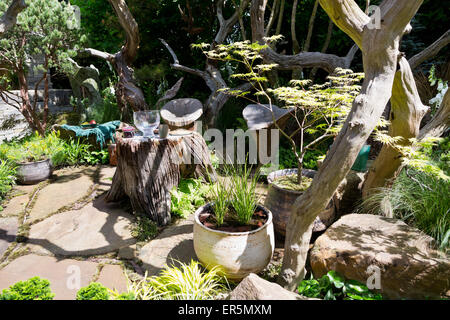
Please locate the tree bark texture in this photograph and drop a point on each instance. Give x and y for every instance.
(406, 114)
(147, 170)
(9, 18)
(380, 48)
(128, 94)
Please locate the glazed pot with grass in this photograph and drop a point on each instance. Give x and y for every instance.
(284, 191)
(237, 253)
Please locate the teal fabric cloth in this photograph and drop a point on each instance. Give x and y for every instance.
(103, 131)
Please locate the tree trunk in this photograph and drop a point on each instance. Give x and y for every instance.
(380, 55)
(8, 20)
(406, 114)
(147, 170)
(128, 94)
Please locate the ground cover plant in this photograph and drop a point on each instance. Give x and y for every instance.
(32, 289)
(332, 286)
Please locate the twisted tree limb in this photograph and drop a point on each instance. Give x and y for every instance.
(128, 94)
(9, 18)
(211, 74)
(380, 48)
(328, 62)
(430, 51)
(406, 114)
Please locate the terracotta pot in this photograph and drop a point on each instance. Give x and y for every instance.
(34, 172)
(280, 202)
(237, 253)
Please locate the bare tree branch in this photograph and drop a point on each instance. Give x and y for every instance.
(9, 18)
(430, 51)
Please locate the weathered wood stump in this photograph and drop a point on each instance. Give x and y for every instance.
(147, 169)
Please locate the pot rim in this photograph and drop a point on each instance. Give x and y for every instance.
(285, 172)
(228, 233)
(32, 162)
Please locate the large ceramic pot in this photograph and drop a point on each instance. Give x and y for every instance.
(279, 201)
(34, 172)
(237, 253)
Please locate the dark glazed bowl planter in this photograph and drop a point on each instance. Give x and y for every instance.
(279, 201)
(34, 172)
(237, 253)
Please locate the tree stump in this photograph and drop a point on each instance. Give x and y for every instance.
(147, 169)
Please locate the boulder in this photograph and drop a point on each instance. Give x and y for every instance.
(358, 245)
(255, 288)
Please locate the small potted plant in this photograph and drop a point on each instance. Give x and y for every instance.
(33, 157)
(317, 110)
(233, 231)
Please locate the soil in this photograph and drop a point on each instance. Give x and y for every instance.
(230, 224)
(289, 182)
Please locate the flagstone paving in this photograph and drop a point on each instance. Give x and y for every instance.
(8, 232)
(69, 187)
(70, 231)
(113, 277)
(65, 276)
(175, 243)
(15, 206)
(97, 228)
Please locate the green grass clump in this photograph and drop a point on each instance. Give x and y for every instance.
(7, 178)
(421, 199)
(144, 228)
(186, 282)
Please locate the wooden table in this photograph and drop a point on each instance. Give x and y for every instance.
(147, 169)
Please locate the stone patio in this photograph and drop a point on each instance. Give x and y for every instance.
(69, 231)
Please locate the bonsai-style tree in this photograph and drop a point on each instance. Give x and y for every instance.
(46, 28)
(318, 109)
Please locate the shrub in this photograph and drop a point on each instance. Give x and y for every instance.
(189, 194)
(94, 291)
(333, 286)
(31, 289)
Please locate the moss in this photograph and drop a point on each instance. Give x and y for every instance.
(289, 182)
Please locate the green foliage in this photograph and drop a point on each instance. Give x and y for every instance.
(221, 194)
(319, 109)
(185, 282)
(33, 148)
(243, 192)
(107, 110)
(31, 289)
(94, 291)
(7, 178)
(145, 229)
(333, 286)
(190, 194)
(442, 87)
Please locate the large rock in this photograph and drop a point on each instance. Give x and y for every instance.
(408, 267)
(97, 228)
(255, 288)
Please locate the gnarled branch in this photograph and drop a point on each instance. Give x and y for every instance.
(9, 18)
(430, 51)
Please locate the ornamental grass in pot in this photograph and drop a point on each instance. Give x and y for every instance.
(33, 157)
(233, 231)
